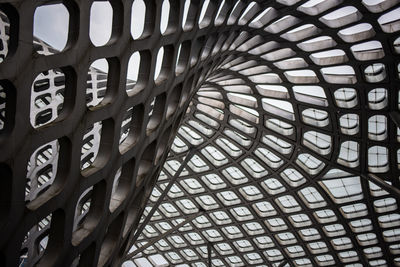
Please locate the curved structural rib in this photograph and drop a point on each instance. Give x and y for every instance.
(291, 107)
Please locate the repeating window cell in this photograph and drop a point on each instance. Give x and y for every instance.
(346, 97)
(213, 181)
(251, 193)
(197, 164)
(41, 170)
(263, 242)
(207, 202)
(220, 217)
(47, 97)
(378, 161)
(214, 156)
(269, 158)
(228, 198)
(187, 206)
(212, 235)
(243, 245)
(224, 249)
(293, 177)
(349, 124)
(286, 238)
(361, 225)
(325, 216)
(241, 213)
(272, 186)
(273, 254)
(349, 154)
(319, 142)
(344, 190)
(278, 144)
(300, 220)
(312, 198)
(317, 247)
(333, 230)
(253, 228)
(377, 98)
(254, 168)
(264, 209)
(276, 224)
(232, 232)
(309, 234)
(194, 238)
(192, 186)
(288, 204)
(234, 175)
(309, 163)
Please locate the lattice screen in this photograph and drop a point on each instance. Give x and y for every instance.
(291, 106)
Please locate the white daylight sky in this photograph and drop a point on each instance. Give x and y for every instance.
(51, 25)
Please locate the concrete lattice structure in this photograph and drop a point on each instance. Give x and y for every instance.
(277, 121)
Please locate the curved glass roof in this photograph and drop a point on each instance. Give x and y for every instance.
(287, 127)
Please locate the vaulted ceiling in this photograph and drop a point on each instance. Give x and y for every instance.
(272, 127)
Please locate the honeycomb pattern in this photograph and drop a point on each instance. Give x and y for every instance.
(291, 108)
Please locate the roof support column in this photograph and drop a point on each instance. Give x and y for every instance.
(189, 155)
